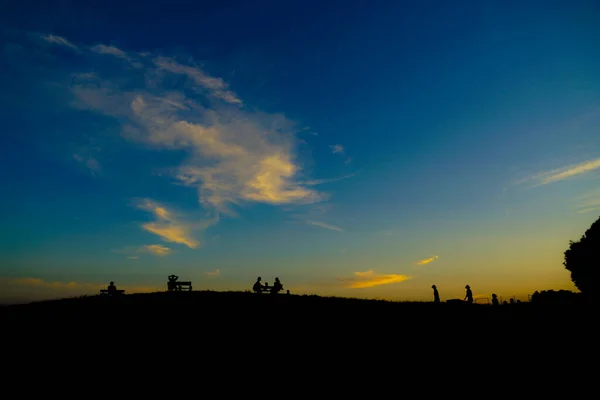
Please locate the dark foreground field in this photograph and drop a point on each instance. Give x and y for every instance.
(235, 325)
(208, 307)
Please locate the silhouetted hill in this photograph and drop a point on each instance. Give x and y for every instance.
(210, 305)
(196, 325)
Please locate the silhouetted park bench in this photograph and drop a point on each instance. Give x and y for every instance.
(174, 286)
(106, 292)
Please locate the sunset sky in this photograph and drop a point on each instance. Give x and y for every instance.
(367, 150)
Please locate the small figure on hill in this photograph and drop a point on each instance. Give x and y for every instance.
(171, 283)
(495, 301)
(112, 289)
(287, 292)
(436, 295)
(257, 285)
(277, 287)
(469, 295)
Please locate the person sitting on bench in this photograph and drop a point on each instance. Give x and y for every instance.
(112, 289)
(257, 285)
(277, 287)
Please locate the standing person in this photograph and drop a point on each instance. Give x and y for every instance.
(436, 295)
(469, 295)
(495, 301)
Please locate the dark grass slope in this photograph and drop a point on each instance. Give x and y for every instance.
(210, 305)
(226, 327)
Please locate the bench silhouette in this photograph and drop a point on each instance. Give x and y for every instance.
(106, 291)
(177, 286)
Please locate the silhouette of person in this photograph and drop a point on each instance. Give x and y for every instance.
(436, 295)
(257, 285)
(495, 301)
(171, 284)
(112, 289)
(469, 296)
(288, 291)
(277, 287)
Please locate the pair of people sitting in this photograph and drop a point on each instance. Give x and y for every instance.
(259, 287)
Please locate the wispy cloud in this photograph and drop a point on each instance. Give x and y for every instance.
(60, 41)
(323, 181)
(427, 260)
(324, 225)
(168, 226)
(234, 155)
(341, 150)
(112, 50)
(563, 173)
(217, 86)
(213, 274)
(367, 279)
(589, 202)
(157, 249)
(337, 149)
(89, 162)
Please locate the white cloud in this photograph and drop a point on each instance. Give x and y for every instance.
(59, 40)
(216, 85)
(566, 172)
(324, 225)
(213, 274)
(234, 156)
(112, 50)
(337, 149)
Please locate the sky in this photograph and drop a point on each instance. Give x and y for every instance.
(361, 149)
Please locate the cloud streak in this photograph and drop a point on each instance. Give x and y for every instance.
(588, 202)
(368, 279)
(213, 274)
(59, 41)
(567, 172)
(427, 260)
(157, 249)
(168, 226)
(324, 225)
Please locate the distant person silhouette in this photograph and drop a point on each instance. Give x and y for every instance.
(171, 283)
(112, 289)
(495, 301)
(277, 287)
(469, 295)
(288, 291)
(436, 295)
(257, 285)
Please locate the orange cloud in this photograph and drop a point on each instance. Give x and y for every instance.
(427, 260)
(367, 279)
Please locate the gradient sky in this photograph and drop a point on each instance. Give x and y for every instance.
(366, 150)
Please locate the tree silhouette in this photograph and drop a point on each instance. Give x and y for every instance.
(582, 259)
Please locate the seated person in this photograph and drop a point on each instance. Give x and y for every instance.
(257, 285)
(112, 288)
(277, 286)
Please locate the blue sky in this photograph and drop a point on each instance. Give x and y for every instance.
(335, 146)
